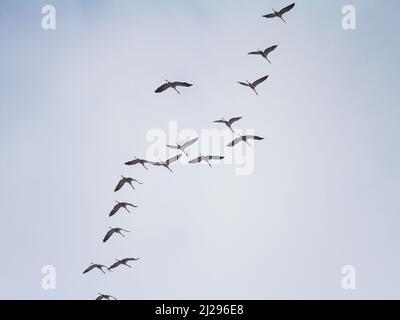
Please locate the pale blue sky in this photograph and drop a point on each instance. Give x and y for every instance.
(77, 102)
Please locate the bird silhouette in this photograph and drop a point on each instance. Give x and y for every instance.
(122, 262)
(244, 139)
(137, 161)
(206, 159)
(95, 266)
(112, 231)
(183, 146)
(229, 122)
(172, 85)
(279, 14)
(125, 180)
(264, 53)
(120, 205)
(254, 84)
(105, 297)
(167, 163)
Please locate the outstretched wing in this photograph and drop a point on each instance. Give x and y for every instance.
(234, 142)
(115, 209)
(215, 157)
(270, 49)
(115, 264)
(255, 52)
(271, 15)
(219, 121)
(243, 83)
(252, 137)
(130, 204)
(119, 185)
(129, 259)
(233, 120)
(189, 143)
(137, 181)
(162, 88)
(182, 84)
(89, 268)
(286, 9)
(196, 160)
(108, 235)
(133, 162)
(174, 159)
(261, 80)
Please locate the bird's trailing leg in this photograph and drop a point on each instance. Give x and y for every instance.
(169, 168)
(255, 91)
(127, 210)
(176, 90)
(132, 185)
(282, 19)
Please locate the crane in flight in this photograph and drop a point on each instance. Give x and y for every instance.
(254, 84)
(229, 122)
(137, 161)
(264, 53)
(120, 205)
(112, 231)
(280, 13)
(244, 139)
(183, 146)
(167, 163)
(105, 297)
(206, 159)
(125, 180)
(123, 262)
(95, 266)
(172, 85)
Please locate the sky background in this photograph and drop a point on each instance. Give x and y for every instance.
(77, 102)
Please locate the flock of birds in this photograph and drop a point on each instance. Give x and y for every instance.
(183, 149)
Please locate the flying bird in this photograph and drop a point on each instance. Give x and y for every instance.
(95, 266)
(172, 85)
(105, 297)
(125, 180)
(167, 163)
(229, 122)
(137, 161)
(122, 262)
(264, 53)
(280, 13)
(254, 84)
(120, 205)
(244, 139)
(206, 159)
(112, 231)
(183, 146)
